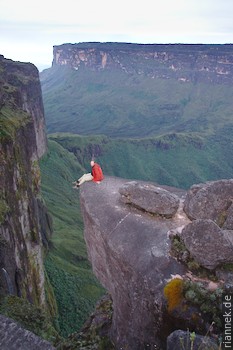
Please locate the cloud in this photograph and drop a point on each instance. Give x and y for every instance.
(30, 29)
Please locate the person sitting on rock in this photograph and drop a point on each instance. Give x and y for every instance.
(96, 175)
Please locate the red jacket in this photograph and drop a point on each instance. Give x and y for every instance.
(97, 173)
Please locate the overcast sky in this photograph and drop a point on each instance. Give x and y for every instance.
(29, 29)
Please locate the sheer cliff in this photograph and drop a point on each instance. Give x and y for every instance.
(24, 222)
(164, 254)
(184, 62)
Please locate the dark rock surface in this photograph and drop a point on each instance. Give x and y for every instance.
(210, 200)
(129, 252)
(179, 339)
(133, 254)
(14, 337)
(151, 198)
(208, 244)
(228, 224)
(22, 142)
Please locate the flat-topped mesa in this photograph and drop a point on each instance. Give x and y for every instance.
(129, 232)
(183, 62)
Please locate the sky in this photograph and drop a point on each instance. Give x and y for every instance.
(30, 29)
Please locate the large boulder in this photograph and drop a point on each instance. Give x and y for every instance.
(152, 199)
(208, 244)
(228, 223)
(210, 200)
(130, 255)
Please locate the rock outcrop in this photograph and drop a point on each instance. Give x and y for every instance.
(208, 244)
(132, 254)
(14, 337)
(129, 252)
(179, 339)
(22, 213)
(152, 199)
(211, 200)
(209, 238)
(184, 62)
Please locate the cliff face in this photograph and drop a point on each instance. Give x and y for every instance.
(143, 243)
(184, 62)
(23, 217)
(129, 255)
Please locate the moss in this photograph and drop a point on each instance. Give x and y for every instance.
(178, 247)
(50, 298)
(173, 292)
(8, 88)
(221, 218)
(10, 120)
(4, 209)
(207, 301)
(227, 267)
(193, 265)
(29, 316)
(179, 250)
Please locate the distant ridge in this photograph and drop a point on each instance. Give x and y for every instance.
(138, 90)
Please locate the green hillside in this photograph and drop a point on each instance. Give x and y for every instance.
(136, 127)
(174, 159)
(76, 289)
(117, 104)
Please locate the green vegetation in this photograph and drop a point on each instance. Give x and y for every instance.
(93, 333)
(160, 130)
(188, 342)
(29, 316)
(178, 160)
(203, 304)
(15, 76)
(167, 159)
(69, 271)
(10, 121)
(208, 301)
(117, 104)
(181, 253)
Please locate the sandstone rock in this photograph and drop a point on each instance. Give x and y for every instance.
(181, 340)
(150, 198)
(210, 200)
(228, 224)
(14, 337)
(208, 244)
(130, 255)
(196, 63)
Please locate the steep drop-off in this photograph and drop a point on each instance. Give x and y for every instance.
(184, 62)
(24, 222)
(150, 253)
